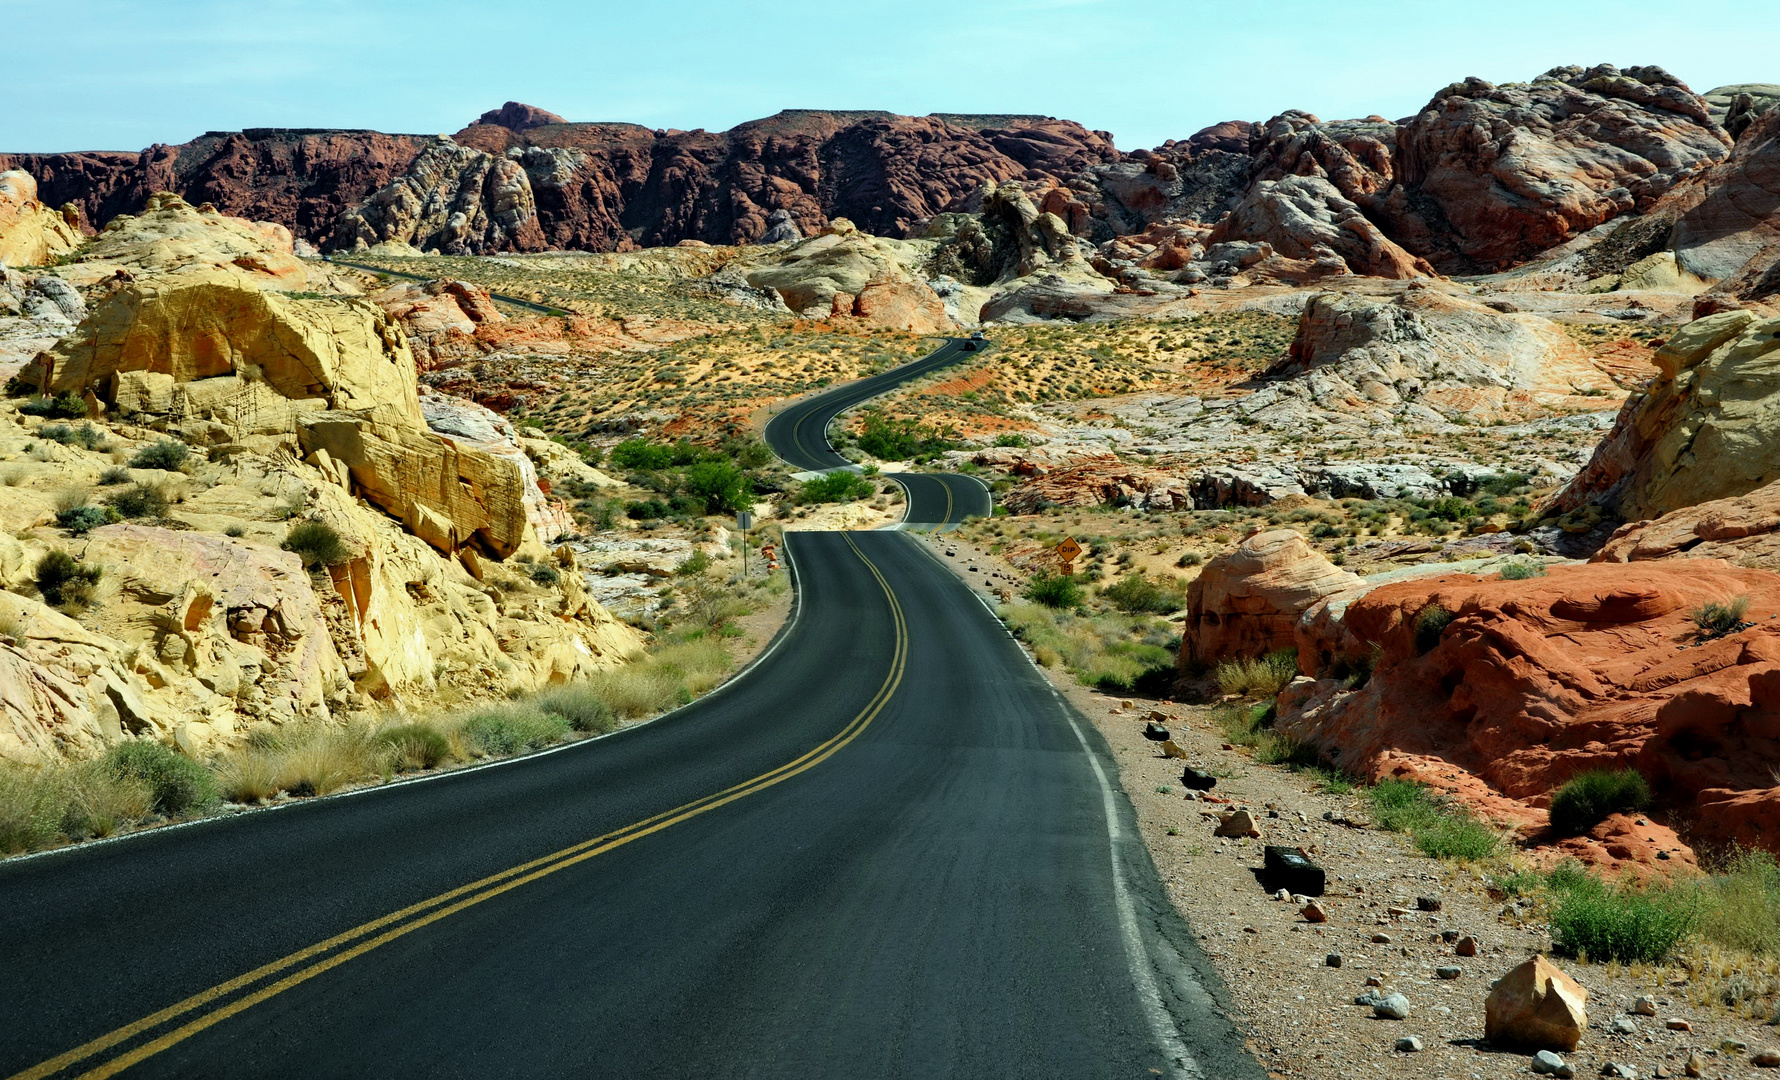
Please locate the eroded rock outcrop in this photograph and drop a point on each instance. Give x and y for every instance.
(453, 199)
(1248, 601)
(844, 272)
(224, 363)
(1727, 221)
(1703, 429)
(31, 234)
(1521, 684)
(1489, 175)
(1426, 356)
(440, 318)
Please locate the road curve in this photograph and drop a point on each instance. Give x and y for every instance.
(889, 850)
(799, 435)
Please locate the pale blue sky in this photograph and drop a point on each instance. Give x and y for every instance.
(120, 74)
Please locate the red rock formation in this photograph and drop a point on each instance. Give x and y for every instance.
(1532, 681)
(1101, 481)
(516, 116)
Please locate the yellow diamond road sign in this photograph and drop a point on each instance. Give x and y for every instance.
(1068, 549)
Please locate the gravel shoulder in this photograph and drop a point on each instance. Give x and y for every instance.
(1298, 1009)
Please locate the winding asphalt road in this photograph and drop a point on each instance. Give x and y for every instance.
(938, 501)
(889, 849)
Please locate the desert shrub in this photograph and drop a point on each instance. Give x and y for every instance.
(647, 509)
(542, 573)
(1191, 558)
(1137, 594)
(235, 531)
(78, 517)
(901, 440)
(1588, 798)
(580, 705)
(96, 801)
(166, 455)
(641, 454)
(1054, 590)
(672, 675)
(64, 406)
(1430, 623)
(1520, 571)
(1007, 438)
(86, 435)
(724, 488)
(510, 728)
(1262, 677)
(316, 542)
(29, 816)
(64, 580)
(140, 501)
(178, 783)
(1251, 726)
(1716, 620)
(415, 745)
(117, 474)
(1626, 923)
(835, 487)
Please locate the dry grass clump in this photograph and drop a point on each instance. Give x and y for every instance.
(672, 675)
(1111, 651)
(1263, 677)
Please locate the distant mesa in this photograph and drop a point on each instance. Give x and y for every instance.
(517, 116)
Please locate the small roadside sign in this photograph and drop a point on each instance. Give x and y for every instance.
(1069, 550)
(744, 520)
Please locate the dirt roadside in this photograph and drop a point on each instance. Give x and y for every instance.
(1298, 1009)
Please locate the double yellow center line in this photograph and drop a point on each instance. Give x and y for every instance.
(212, 1006)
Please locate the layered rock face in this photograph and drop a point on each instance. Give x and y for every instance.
(452, 199)
(31, 234)
(1488, 176)
(1727, 221)
(1703, 429)
(1596, 666)
(301, 179)
(1248, 602)
(1743, 530)
(441, 318)
(1426, 356)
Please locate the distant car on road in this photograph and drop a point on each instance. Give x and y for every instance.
(975, 341)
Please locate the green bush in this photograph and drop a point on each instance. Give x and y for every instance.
(64, 580)
(415, 745)
(724, 488)
(542, 573)
(835, 487)
(83, 518)
(179, 783)
(509, 729)
(1054, 590)
(1429, 625)
(1716, 620)
(1628, 924)
(64, 406)
(579, 704)
(641, 454)
(165, 455)
(86, 435)
(117, 474)
(1520, 571)
(317, 543)
(902, 440)
(1588, 798)
(140, 501)
(1264, 677)
(1137, 594)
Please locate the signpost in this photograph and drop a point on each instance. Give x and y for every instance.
(1067, 552)
(744, 521)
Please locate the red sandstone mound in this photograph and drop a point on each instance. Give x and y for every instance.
(1533, 681)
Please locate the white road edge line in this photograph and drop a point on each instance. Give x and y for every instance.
(159, 830)
(1143, 970)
